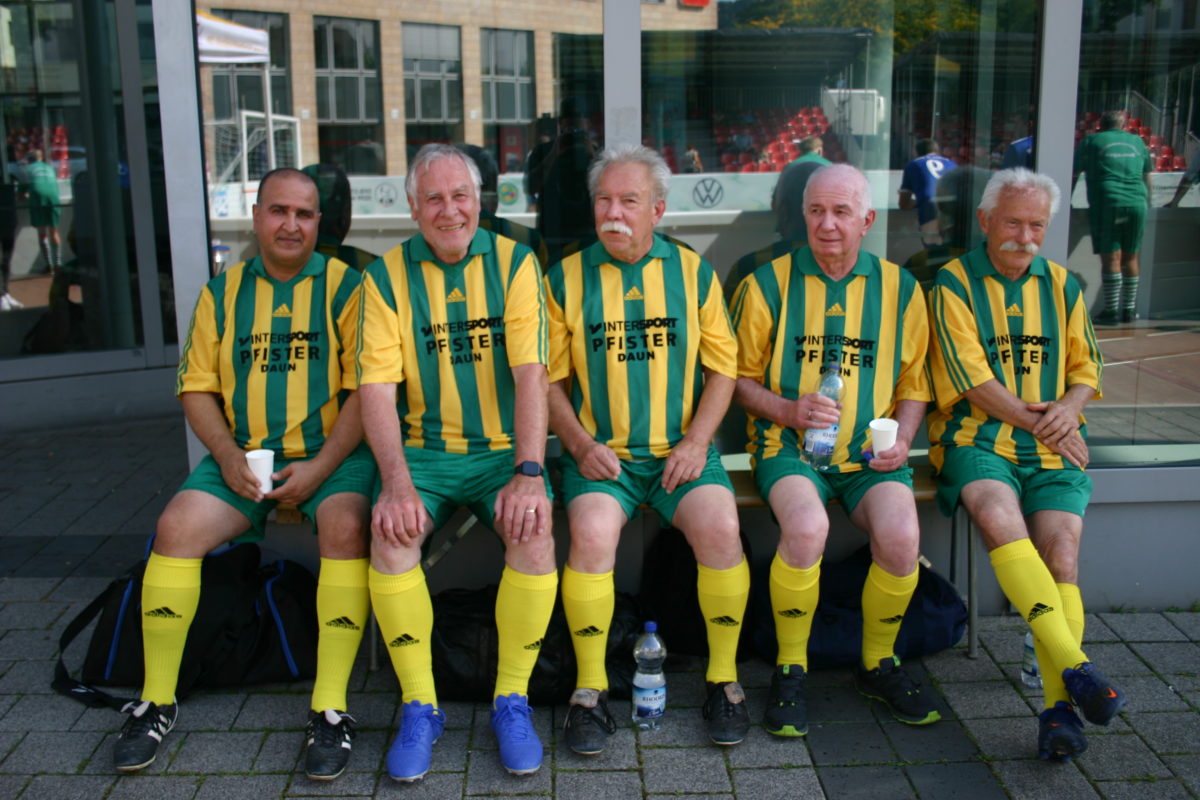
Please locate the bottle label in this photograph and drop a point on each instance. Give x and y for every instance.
(649, 703)
(823, 440)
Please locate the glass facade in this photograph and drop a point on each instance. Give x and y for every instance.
(731, 93)
(86, 258)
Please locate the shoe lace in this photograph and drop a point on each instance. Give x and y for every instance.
(896, 681)
(326, 733)
(791, 689)
(600, 715)
(141, 720)
(414, 726)
(514, 720)
(722, 708)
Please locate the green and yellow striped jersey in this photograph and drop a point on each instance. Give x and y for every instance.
(451, 333)
(633, 337)
(1032, 335)
(792, 319)
(280, 354)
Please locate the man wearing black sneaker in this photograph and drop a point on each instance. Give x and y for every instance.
(832, 305)
(642, 364)
(268, 364)
(1014, 361)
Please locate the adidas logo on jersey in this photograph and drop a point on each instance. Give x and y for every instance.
(404, 640)
(342, 622)
(793, 613)
(634, 294)
(727, 622)
(1037, 610)
(893, 620)
(282, 311)
(1013, 311)
(456, 296)
(590, 630)
(534, 645)
(835, 310)
(163, 613)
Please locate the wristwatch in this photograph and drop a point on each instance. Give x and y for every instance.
(530, 469)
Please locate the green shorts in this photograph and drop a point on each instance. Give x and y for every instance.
(449, 481)
(44, 214)
(641, 482)
(1117, 228)
(1067, 489)
(848, 488)
(355, 474)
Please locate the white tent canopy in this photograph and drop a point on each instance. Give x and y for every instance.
(219, 41)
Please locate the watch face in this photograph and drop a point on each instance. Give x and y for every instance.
(529, 468)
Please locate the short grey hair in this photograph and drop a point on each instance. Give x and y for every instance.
(660, 173)
(844, 173)
(1018, 179)
(425, 158)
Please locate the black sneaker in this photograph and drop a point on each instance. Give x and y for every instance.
(787, 710)
(142, 733)
(891, 685)
(1095, 695)
(1060, 733)
(725, 710)
(1107, 317)
(588, 724)
(1128, 315)
(327, 744)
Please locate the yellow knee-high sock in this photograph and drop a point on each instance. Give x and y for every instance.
(723, 594)
(523, 607)
(342, 607)
(1028, 585)
(405, 615)
(170, 594)
(794, 595)
(588, 600)
(884, 600)
(1053, 688)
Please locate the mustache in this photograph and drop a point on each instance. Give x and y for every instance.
(1011, 246)
(616, 227)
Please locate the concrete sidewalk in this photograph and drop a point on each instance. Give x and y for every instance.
(76, 506)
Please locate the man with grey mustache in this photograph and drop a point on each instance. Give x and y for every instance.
(1013, 361)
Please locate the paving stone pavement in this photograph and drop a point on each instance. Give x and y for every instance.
(75, 507)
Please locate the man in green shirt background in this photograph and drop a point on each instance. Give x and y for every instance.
(1118, 166)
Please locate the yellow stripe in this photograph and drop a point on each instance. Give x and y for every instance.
(225, 350)
(256, 382)
(450, 404)
(573, 300)
(885, 346)
(1005, 444)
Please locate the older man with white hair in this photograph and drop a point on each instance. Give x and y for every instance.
(643, 361)
(1014, 361)
(833, 306)
(456, 317)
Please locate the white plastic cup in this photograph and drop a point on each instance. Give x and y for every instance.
(262, 464)
(883, 434)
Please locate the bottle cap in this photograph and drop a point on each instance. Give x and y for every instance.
(651, 626)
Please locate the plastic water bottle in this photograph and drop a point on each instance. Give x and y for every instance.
(1031, 676)
(820, 442)
(220, 257)
(649, 683)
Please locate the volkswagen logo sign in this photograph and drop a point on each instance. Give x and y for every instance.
(386, 195)
(707, 192)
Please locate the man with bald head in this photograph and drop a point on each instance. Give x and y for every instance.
(455, 318)
(643, 366)
(268, 364)
(832, 305)
(1014, 361)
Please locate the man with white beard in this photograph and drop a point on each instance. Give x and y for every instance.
(1013, 361)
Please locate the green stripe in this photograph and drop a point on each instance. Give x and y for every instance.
(243, 326)
(872, 315)
(681, 307)
(319, 390)
(418, 299)
(591, 305)
(276, 394)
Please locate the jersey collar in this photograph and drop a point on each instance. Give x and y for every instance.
(480, 243)
(315, 266)
(598, 254)
(806, 262)
(980, 266)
